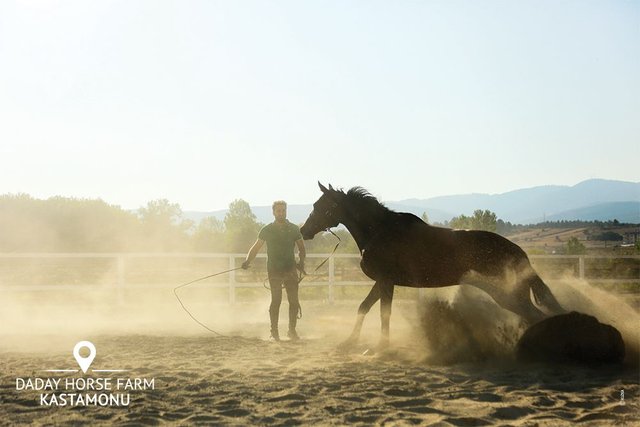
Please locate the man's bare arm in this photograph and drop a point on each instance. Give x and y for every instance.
(302, 253)
(252, 253)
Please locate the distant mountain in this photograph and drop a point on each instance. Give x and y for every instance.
(533, 205)
(594, 199)
(625, 212)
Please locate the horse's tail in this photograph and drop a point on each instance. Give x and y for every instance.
(543, 296)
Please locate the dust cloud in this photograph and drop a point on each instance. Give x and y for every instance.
(463, 324)
(451, 325)
(36, 320)
(448, 359)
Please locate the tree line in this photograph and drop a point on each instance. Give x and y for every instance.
(62, 224)
(487, 220)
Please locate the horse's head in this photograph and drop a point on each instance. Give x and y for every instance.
(326, 212)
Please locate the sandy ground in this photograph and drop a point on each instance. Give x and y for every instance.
(242, 378)
(241, 381)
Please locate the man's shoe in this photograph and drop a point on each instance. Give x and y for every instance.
(275, 335)
(293, 336)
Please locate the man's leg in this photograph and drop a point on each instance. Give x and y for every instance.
(275, 283)
(291, 284)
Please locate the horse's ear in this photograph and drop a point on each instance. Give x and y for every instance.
(323, 188)
(330, 187)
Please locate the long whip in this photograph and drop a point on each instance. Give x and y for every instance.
(303, 275)
(175, 292)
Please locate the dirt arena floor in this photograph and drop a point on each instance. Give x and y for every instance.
(243, 378)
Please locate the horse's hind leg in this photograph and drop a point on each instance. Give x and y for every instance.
(520, 303)
(517, 301)
(365, 306)
(543, 295)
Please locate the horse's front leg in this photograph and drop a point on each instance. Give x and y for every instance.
(386, 297)
(374, 295)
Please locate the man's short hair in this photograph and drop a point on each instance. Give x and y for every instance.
(278, 203)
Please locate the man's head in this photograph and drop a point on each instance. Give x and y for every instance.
(279, 210)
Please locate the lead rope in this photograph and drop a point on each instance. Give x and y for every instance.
(303, 275)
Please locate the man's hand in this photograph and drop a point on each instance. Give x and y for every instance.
(245, 265)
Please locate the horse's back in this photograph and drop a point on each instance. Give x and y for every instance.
(413, 253)
(412, 232)
(488, 253)
(410, 252)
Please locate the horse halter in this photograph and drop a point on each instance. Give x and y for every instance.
(332, 252)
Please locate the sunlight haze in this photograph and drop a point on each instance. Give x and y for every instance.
(204, 102)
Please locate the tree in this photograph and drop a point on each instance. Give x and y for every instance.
(609, 236)
(484, 220)
(160, 213)
(241, 226)
(574, 247)
(425, 217)
(503, 227)
(164, 227)
(209, 235)
(481, 220)
(461, 222)
(64, 224)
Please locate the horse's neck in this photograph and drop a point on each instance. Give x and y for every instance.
(363, 229)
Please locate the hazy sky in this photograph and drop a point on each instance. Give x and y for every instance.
(202, 102)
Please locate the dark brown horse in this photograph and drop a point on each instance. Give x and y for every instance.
(400, 249)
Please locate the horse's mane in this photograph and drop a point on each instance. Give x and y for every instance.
(365, 201)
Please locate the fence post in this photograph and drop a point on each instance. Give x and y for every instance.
(120, 283)
(331, 278)
(581, 267)
(232, 280)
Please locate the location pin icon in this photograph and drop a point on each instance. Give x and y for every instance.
(84, 362)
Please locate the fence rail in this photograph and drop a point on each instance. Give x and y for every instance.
(120, 262)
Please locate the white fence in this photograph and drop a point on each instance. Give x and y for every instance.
(326, 277)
